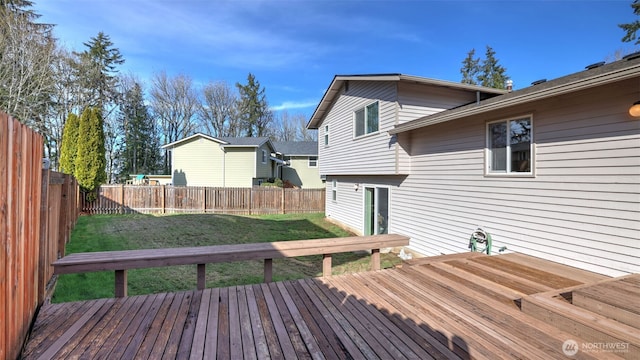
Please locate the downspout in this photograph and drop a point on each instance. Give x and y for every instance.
(224, 166)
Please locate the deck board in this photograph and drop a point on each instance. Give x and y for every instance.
(443, 308)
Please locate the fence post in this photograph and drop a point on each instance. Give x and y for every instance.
(162, 198)
(283, 210)
(44, 231)
(121, 198)
(204, 199)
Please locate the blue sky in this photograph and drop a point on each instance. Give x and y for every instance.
(294, 48)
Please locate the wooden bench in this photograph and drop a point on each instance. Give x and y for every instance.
(121, 261)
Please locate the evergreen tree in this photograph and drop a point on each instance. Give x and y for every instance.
(97, 69)
(253, 107)
(470, 68)
(69, 146)
(90, 160)
(141, 144)
(632, 28)
(487, 73)
(491, 73)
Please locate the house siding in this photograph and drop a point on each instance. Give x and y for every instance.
(197, 163)
(263, 171)
(349, 155)
(348, 207)
(240, 167)
(582, 208)
(398, 102)
(300, 174)
(416, 101)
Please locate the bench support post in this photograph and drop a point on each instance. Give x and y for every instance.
(326, 265)
(375, 259)
(202, 279)
(268, 270)
(121, 283)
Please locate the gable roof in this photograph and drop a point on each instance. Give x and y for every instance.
(297, 148)
(244, 141)
(224, 141)
(189, 138)
(594, 75)
(338, 81)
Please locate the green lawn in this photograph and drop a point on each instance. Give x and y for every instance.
(128, 232)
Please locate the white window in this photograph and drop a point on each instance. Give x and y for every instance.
(326, 135)
(313, 161)
(509, 144)
(334, 190)
(366, 120)
(264, 156)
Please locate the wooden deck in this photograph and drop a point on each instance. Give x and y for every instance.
(456, 306)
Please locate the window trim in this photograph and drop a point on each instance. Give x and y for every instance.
(364, 109)
(315, 161)
(326, 135)
(487, 155)
(334, 190)
(264, 156)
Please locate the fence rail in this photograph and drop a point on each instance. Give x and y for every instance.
(38, 208)
(125, 199)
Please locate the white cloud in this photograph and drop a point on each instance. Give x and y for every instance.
(289, 105)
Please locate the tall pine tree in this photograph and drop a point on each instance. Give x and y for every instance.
(140, 153)
(253, 107)
(90, 160)
(69, 146)
(98, 69)
(632, 28)
(492, 74)
(486, 72)
(470, 68)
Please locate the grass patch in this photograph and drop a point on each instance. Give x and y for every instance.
(140, 231)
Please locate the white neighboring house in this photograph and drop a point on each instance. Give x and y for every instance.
(551, 170)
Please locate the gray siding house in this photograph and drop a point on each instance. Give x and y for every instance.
(552, 170)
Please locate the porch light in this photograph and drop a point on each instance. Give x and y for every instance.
(356, 185)
(634, 110)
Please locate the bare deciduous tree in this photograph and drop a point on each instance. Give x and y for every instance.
(218, 112)
(26, 51)
(174, 103)
(65, 99)
(292, 128)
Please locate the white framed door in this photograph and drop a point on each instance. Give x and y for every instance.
(376, 210)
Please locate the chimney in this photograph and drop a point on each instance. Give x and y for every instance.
(509, 84)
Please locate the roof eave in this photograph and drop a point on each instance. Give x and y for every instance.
(336, 84)
(173, 144)
(561, 89)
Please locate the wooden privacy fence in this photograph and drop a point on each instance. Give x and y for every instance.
(37, 211)
(124, 199)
